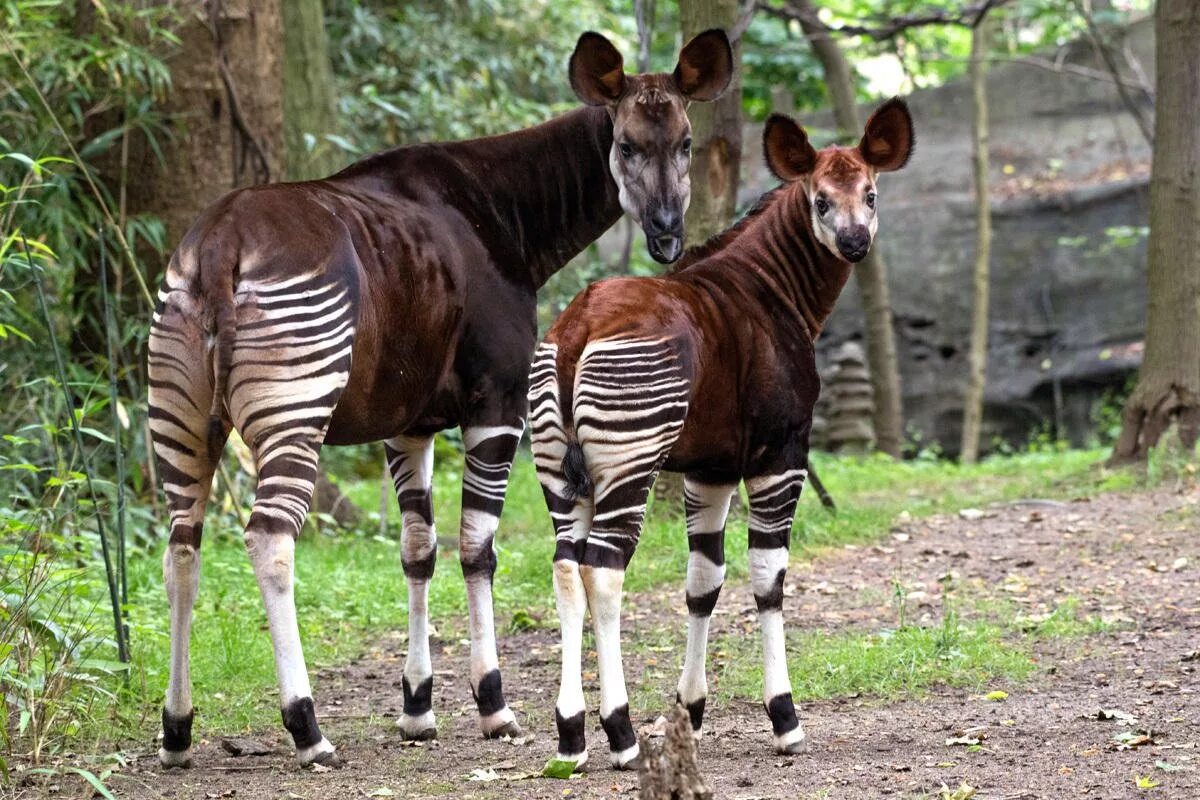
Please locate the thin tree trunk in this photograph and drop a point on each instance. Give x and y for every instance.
(871, 272)
(309, 95)
(977, 357)
(716, 130)
(1168, 388)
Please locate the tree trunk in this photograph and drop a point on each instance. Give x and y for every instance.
(225, 133)
(977, 357)
(1168, 388)
(871, 272)
(716, 130)
(309, 95)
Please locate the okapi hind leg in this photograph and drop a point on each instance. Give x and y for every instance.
(773, 499)
(186, 448)
(631, 399)
(707, 506)
(410, 462)
(572, 519)
(490, 450)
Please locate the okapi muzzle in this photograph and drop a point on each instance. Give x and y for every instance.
(652, 138)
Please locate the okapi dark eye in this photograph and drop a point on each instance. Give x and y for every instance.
(626, 150)
(871, 199)
(822, 206)
(686, 147)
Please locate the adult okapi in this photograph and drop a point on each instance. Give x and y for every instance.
(708, 371)
(391, 301)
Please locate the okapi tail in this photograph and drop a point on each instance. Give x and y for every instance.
(575, 472)
(217, 287)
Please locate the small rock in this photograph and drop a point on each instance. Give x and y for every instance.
(238, 746)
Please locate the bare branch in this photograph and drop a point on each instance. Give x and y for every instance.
(1145, 124)
(744, 18)
(886, 28)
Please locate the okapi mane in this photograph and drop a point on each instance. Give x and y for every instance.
(719, 241)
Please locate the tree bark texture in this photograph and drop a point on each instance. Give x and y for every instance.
(871, 272)
(1168, 388)
(977, 355)
(309, 95)
(225, 107)
(716, 130)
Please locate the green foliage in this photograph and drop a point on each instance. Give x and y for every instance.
(426, 71)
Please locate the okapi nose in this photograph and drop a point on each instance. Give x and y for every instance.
(664, 221)
(854, 243)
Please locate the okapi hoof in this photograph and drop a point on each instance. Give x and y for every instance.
(420, 728)
(510, 729)
(791, 743)
(630, 759)
(320, 754)
(172, 759)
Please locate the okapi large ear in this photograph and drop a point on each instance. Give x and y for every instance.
(888, 141)
(705, 66)
(597, 70)
(789, 153)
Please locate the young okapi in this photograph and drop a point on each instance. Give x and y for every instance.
(708, 371)
(391, 301)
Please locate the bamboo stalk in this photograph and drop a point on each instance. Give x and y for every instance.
(118, 625)
(110, 335)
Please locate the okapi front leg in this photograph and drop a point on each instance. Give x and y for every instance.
(490, 453)
(772, 506)
(707, 507)
(410, 462)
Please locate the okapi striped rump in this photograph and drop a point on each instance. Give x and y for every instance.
(709, 371)
(388, 302)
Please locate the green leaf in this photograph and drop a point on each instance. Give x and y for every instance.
(558, 768)
(1145, 782)
(100, 788)
(997, 696)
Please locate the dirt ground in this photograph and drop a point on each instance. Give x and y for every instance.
(1131, 559)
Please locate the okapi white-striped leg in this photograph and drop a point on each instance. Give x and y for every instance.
(291, 361)
(180, 397)
(631, 398)
(572, 518)
(707, 507)
(772, 507)
(286, 478)
(489, 455)
(410, 462)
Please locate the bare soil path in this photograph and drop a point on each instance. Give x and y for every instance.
(1133, 560)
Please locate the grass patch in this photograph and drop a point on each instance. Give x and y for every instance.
(351, 587)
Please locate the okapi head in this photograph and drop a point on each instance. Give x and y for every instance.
(840, 181)
(652, 138)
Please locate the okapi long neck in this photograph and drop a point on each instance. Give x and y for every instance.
(549, 187)
(785, 252)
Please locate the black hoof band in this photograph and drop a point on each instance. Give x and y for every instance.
(695, 710)
(619, 729)
(782, 712)
(177, 731)
(489, 697)
(420, 701)
(423, 735)
(300, 719)
(571, 739)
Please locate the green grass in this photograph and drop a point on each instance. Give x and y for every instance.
(351, 587)
(966, 653)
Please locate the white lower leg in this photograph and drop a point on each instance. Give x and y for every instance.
(181, 574)
(767, 567)
(417, 720)
(273, 558)
(479, 563)
(693, 682)
(604, 587)
(570, 709)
